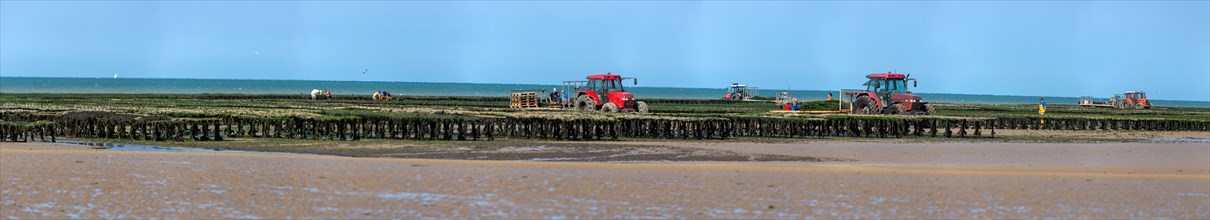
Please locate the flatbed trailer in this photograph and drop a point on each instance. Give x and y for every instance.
(569, 90)
(811, 112)
(531, 99)
(1089, 101)
(543, 108)
(840, 108)
(1097, 105)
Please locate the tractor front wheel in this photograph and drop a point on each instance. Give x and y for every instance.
(895, 109)
(640, 107)
(863, 106)
(585, 103)
(609, 107)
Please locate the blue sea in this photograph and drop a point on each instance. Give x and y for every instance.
(194, 86)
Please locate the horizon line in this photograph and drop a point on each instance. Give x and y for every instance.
(670, 87)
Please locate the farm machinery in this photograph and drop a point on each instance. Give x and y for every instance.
(1092, 102)
(1089, 101)
(740, 92)
(783, 100)
(604, 92)
(1128, 100)
(887, 93)
(1132, 100)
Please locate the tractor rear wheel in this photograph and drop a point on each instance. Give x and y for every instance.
(737, 96)
(863, 106)
(585, 103)
(609, 107)
(928, 110)
(896, 109)
(640, 107)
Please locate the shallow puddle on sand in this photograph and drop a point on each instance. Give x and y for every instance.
(141, 147)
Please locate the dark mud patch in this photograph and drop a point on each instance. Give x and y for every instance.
(594, 152)
(1181, 140)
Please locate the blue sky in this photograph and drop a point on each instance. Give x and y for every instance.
(1073, 48)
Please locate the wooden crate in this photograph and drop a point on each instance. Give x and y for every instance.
(524, 100)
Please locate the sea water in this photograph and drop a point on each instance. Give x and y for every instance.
(197, 86)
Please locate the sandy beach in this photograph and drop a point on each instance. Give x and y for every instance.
(947, 180)
(535, 110)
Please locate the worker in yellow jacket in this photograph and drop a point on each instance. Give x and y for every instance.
(1041, 106)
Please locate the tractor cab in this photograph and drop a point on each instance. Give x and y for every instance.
(607, 87)
(1136, 95)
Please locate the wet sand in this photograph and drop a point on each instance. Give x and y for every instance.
(983, 153)
(887, 180)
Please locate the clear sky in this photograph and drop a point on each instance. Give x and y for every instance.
(1075, 48)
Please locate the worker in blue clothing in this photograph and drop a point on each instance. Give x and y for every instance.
(1041, 106)
(554, 96)
(566, 101)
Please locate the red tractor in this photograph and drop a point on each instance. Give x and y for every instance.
(603, 92)
(887, 93)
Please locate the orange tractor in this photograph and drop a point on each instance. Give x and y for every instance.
(1132, 99)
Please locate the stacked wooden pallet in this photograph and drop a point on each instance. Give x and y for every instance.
(524, 100)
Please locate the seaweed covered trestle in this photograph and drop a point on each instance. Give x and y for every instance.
(216, 117)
